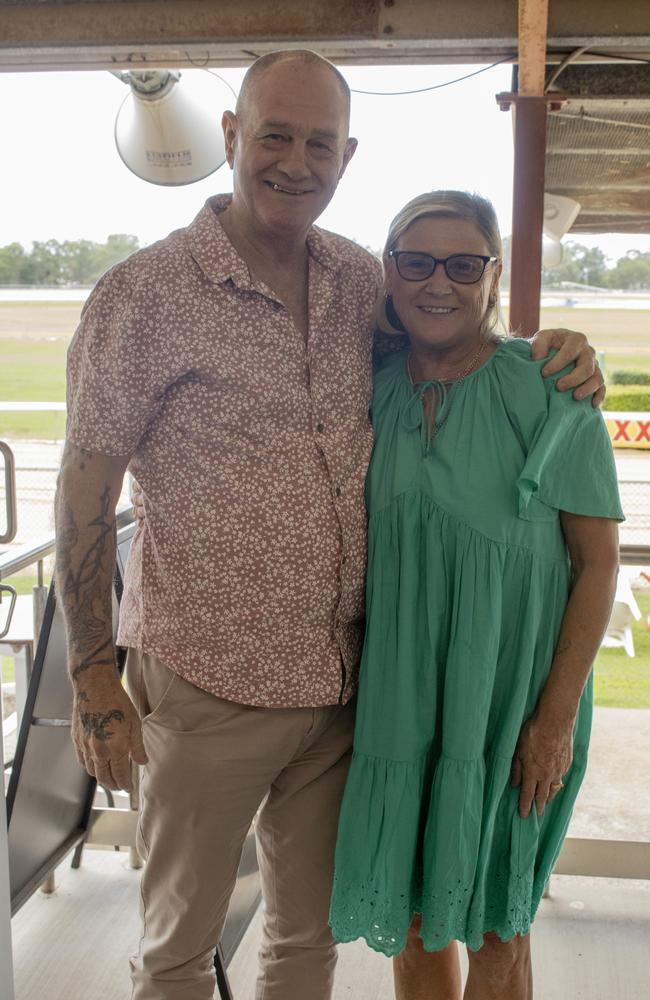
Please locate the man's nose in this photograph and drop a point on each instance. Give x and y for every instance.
(293, 161)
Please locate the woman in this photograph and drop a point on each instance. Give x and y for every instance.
(492, 503)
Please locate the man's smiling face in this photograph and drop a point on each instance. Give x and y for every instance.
(288, 147)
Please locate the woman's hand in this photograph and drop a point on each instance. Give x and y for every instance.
(137, 499)
(543, 756)
(586, 378)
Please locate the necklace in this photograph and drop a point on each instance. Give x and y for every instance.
(454, 378)
(434, 428)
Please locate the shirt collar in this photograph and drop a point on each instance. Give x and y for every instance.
(217, 257)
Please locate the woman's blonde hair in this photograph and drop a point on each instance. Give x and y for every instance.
(443, 205)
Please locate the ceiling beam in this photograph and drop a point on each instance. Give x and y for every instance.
(105, 34)
(533, 22)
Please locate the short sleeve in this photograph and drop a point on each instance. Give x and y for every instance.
(570, 463)
(118, 367)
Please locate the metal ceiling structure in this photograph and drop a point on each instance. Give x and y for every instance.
(598, 147)
(108, 34)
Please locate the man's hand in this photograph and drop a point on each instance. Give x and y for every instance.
(586, 378)
(106, 732)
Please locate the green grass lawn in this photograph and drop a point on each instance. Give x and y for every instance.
(33, 426)
(32, 369)
(8, 670)
(622, 682)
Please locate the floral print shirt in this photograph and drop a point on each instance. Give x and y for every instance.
(251, 448)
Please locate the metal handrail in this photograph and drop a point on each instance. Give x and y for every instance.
(634, 555)
(13, 597)
(35, 552)
(10, 493)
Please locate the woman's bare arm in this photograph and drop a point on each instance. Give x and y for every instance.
(545, 748)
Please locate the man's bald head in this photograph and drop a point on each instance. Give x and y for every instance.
(303, 58)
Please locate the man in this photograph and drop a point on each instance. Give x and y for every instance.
(230, 367)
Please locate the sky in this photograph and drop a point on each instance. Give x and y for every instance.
(61, 176)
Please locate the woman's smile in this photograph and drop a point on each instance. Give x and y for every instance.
(438, 310)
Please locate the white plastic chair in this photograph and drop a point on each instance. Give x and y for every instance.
(619, 630)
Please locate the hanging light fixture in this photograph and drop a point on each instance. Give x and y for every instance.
(164, 135)
(559, 215)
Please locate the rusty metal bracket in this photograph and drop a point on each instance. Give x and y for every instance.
(555, 100)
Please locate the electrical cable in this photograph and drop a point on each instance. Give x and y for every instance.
(436, 86)
(571, 57)
(206, 69)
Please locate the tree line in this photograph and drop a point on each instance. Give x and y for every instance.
(82, 262)
(73, 262)
(589, 266)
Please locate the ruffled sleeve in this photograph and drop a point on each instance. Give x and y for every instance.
(570, 463)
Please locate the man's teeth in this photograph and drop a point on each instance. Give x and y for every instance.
(276, 187)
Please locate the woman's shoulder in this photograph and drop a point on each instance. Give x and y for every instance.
(517, 352)
(532, 399)
(517, 366)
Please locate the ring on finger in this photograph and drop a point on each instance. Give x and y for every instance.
(556, 786)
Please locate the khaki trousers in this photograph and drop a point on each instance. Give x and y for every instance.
(212, 763)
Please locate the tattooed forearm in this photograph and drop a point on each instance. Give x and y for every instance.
(89, 626)
(95, 658)
(76, 576)
(85, 513)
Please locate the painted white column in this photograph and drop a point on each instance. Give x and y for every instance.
(6, 961)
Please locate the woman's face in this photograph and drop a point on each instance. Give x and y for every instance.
(439, 312)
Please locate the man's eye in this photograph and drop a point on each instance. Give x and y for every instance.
(274, 136)
(321, 147)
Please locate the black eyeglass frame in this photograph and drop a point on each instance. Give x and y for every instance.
(396, 254)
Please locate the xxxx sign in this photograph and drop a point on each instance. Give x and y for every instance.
(628, 430)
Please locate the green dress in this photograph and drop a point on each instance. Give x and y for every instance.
(468, 578)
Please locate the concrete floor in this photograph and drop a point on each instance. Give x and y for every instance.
(590, 941)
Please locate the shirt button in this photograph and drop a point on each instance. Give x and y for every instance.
(344, 559)
(338, 491)
(320, 428)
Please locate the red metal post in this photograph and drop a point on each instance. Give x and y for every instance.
(527, 213)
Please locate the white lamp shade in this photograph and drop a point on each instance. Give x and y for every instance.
(559, 215)
(172, 139)
(552, 253)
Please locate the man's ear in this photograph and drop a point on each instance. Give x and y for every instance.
(230, 126)
(349, 151)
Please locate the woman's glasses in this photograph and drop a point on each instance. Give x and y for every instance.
(464, 268)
